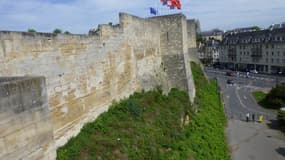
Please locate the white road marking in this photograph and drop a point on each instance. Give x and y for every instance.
(250, 109)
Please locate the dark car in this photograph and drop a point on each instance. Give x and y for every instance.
(232, 74)
(230, 81)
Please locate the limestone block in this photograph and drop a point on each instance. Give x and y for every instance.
(19, 139)
(2, 147)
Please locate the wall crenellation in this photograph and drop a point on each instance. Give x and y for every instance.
(85, 73)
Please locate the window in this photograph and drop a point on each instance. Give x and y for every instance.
(278, 53)
(284, 53)
(266, 53)
(272, 60)
(284, 61)
(272, 46)
(266, 46)
(277, 60)
(266, 60)
(272, 53)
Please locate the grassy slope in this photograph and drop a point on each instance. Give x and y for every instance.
(206, 130)
(148, 126)
(145, 126)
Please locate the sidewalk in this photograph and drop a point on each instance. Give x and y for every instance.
(255, 141)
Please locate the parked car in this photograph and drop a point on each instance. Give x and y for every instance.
(253, 71)
(230, 81)
(281, 73)
(232, 74)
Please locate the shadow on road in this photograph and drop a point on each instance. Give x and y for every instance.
(281, 150)
(273, 124)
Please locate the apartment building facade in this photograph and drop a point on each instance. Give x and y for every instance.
(263, 50)
(208, 51)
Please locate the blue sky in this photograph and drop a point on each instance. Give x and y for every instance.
(78, 16)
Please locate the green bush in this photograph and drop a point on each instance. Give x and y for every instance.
(281, 119)
(275, 99)
(67, 32)
(57, 31)
(32, 30)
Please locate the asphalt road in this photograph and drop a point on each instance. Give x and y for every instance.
(249, 140)
(238, 97)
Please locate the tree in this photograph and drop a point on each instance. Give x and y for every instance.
(276, 97)
(32, 30)
(57, 31)
(199, 38)
(67, 32)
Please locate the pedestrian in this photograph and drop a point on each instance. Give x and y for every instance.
(247, 117)
(253, 117)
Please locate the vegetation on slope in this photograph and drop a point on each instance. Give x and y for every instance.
(205, 133)
(145, 126)
(281, 119)
(152, 126)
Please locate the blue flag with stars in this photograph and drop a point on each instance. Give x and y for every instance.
(153, 11)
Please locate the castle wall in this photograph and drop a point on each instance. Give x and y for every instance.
(25, 121)
(85, 73)
(174, 50)
(191, 32)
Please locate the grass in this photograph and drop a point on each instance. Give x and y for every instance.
(259, 96)
(151, 125)
(206, 132)
(145, 126)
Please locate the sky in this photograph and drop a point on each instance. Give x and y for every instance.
(78, 16)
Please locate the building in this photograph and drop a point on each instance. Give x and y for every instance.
(263, 50)
(208, 51)
(212, 34)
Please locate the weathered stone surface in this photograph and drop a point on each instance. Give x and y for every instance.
(25, 122)
(84, 74)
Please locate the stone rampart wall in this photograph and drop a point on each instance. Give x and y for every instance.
(25, 121)
(85, 73)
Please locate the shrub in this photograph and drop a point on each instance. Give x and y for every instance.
(32, 30)
(67, 32)
(57, 31)
(281, 119)
(275, 99)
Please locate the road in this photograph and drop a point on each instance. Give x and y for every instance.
(249, 140)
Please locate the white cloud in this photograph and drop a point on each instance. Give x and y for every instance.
(78, 16)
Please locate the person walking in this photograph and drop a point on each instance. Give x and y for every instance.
(247, 117)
